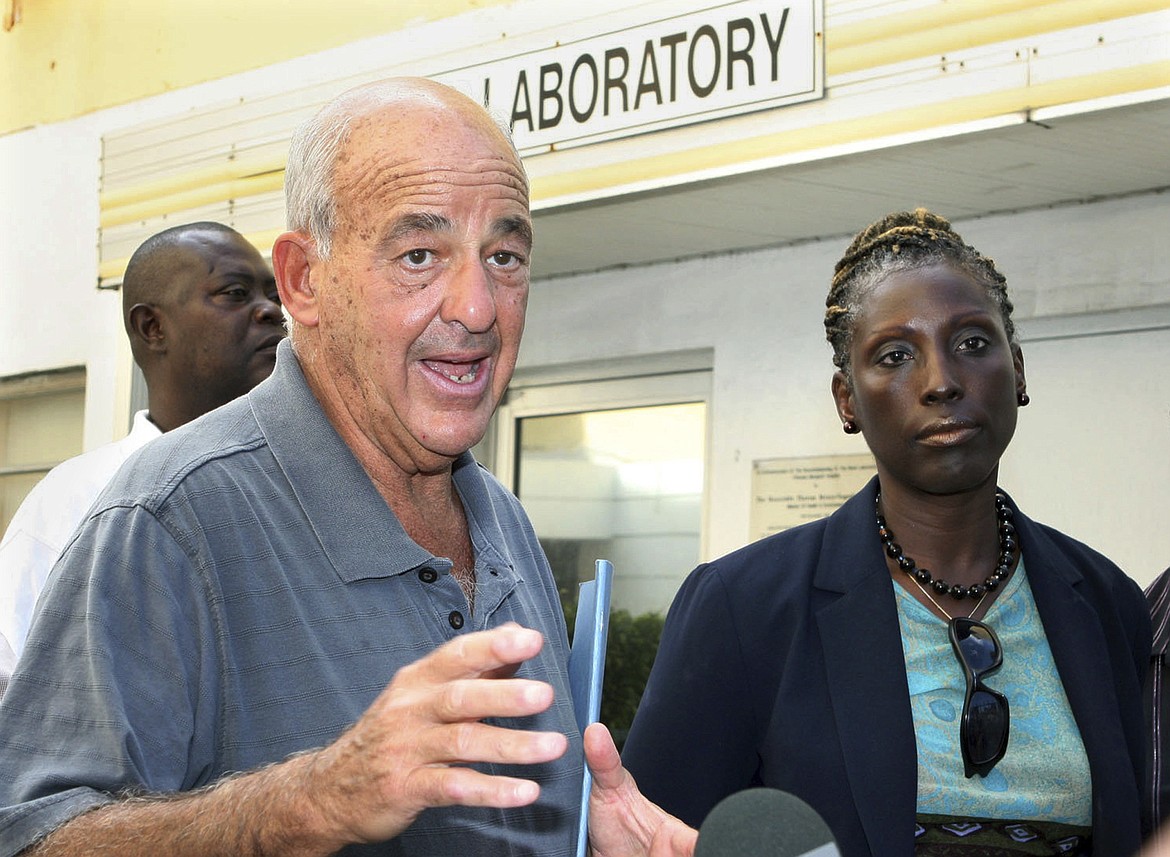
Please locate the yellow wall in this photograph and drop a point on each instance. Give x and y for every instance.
(65, 58)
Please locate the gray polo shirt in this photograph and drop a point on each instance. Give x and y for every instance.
(241, 592)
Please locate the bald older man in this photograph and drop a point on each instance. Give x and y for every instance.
(318, 585)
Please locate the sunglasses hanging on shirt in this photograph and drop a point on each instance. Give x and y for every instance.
(983, 733)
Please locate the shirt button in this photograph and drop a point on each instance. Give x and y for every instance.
(456, 619)
(428, 575)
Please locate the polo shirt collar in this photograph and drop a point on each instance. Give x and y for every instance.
(487, 535)
(357, 530)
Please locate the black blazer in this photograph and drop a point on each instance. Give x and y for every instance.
(781, 665)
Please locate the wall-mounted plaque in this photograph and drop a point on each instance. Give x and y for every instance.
(791, 491)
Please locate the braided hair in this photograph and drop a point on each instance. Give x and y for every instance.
(902, 241)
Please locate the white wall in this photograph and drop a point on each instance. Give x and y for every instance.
(1092, 454)
(51, 313)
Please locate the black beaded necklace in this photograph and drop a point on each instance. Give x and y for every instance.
(1007, 556)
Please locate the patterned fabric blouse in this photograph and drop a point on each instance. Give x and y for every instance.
(946, 836)
(1043, 777)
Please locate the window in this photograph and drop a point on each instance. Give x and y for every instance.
(613, 469)
(41, 419)
(625, 485)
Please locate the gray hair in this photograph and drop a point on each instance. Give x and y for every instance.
(310, 203)
(308, 177)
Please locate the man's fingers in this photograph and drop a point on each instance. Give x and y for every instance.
(674, 840)
(496, 652)
(602, 757)
(475, 699)
(621, 820)
(456, 743)
(409, 748)
(465, 787)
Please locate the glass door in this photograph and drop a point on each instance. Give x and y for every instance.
(613, 470)
(625, 485)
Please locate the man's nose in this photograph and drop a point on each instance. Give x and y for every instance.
(470, 297)
(268, 311)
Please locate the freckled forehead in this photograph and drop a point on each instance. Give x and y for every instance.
(425, 152)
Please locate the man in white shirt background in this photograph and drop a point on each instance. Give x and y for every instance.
(203, 317)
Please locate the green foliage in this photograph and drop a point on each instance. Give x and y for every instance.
(629, 654)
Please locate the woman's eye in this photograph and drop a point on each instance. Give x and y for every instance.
(893, 357)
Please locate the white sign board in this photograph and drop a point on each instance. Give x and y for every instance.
(722, 60)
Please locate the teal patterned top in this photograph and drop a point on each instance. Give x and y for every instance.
(1045, 772)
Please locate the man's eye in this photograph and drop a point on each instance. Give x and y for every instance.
(505, 259)
(973, 343)
(417, 257)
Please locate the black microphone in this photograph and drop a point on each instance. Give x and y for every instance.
(764, 823)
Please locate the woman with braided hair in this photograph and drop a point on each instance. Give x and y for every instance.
(934, 672)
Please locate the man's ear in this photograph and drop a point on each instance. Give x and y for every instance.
(146, 325)
(293, 256)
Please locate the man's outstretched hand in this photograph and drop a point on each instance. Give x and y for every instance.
(411, 748)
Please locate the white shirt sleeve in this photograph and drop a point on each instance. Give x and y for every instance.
(24, 565)
(45, 522)
(7, 663)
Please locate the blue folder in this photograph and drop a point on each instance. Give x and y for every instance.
(587, 668)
